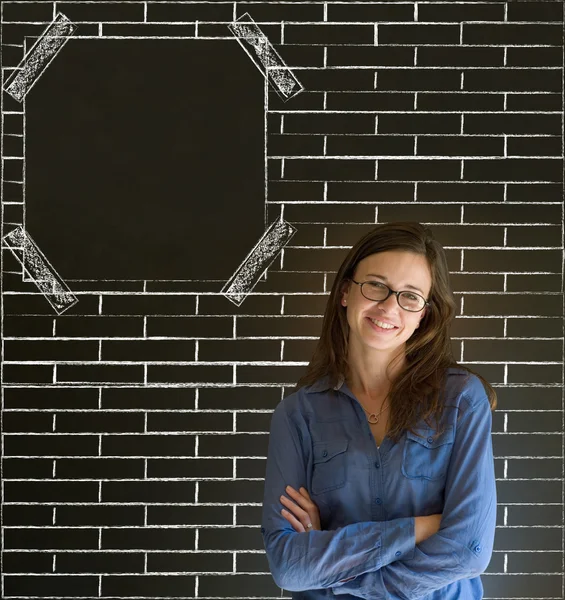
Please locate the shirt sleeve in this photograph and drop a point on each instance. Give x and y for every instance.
(318, 559)
(462, 547)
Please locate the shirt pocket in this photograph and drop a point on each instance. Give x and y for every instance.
(329, 471)
(427, 457)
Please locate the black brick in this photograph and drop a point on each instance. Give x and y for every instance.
(513, 80)
(460, 101)
(374, 191)
(27, 373)
(463, 192)
(512, 214)
(30, 515)
(99, 422)
(281, 12)
(369, 145)
(100, 468)
(50, 445)
(102, 11)
(533, 101)
(497, 304)
(534, 146)
(160, 538)
(20, 422)
(460, 56)
(149, 585)
(419, 79)
(98, 515)
(56, 537)
(337, 79)
(151, 30)
(48, 585)
(377, 56)
(68, 326)
(175, 421)
(511, 33)
(328, 33)
(34, 468)
(100, 562)
(200, 327)
(30, 11)
(147, 398)
(460, 146)
(148, 445)
(512, 123)
(27, 562)
(148, 491)
(100, 373)
(193, 11)
(330, 169)
(390, 11)
(50, 398)
(535, 57)
(418, 33)
(535, 11)
(419, 170)
(329, 123)
(513, 169)
(534, 192)
(370, 101)
(51, 491)
(189, 373)
(468, 11)
(419, 123)
(49, 350)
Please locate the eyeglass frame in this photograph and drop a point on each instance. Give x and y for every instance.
(391, 291)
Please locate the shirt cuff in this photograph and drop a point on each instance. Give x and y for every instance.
(399, 540)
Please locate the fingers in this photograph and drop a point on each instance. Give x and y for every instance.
(294, 522)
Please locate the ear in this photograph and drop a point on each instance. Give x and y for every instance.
(344, 292)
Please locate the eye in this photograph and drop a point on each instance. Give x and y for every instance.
(376, 284)
(410, 296)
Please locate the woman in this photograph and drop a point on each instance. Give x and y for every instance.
(365, 496)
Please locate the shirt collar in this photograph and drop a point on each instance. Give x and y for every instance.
(323, 384)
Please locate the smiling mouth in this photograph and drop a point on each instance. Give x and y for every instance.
(378, 328)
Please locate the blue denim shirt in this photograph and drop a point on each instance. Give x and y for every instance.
(368, 497)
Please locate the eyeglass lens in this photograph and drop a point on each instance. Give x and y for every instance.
(407, 300)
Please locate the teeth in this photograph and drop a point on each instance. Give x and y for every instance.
(383, 325)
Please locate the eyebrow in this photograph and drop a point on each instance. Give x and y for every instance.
(385, 279)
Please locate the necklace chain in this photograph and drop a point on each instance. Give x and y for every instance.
(373, 415)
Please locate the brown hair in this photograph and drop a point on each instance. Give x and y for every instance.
(415, 392)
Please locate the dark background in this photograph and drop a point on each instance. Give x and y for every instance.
(135, 424)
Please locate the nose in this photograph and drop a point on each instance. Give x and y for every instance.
(390, 303)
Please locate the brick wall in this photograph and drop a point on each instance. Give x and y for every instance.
(135, 425)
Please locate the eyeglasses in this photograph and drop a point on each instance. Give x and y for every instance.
(377, 291)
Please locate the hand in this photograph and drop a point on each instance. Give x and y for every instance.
(303, 508)
(426, 526)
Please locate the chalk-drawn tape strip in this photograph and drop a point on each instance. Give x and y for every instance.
(39, 56)
(259, 259)
(41, 272)
(265, 57)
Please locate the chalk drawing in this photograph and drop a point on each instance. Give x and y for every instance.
(39, 269)
(265, 57)
(39, 56)
(261, 256)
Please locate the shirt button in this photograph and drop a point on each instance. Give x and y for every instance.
(430, 440)
(377, 465)
(397, 553)
(379, 501)
(325, 453)
(477, 549)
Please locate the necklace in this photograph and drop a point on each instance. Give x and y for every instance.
(373, 415)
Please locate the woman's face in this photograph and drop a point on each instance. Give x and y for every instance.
(401, 270)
